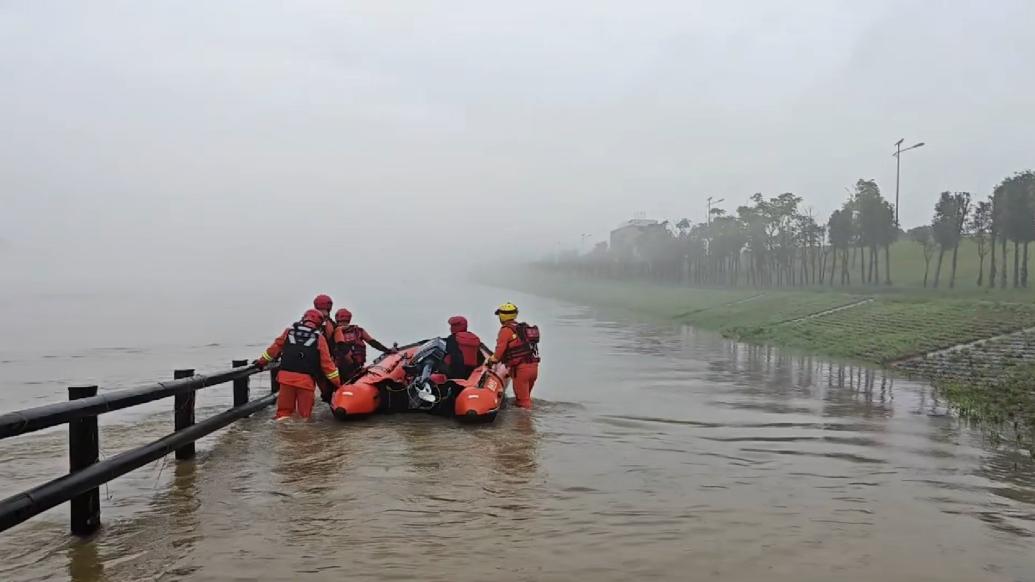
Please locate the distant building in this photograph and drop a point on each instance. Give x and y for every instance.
(625, 238)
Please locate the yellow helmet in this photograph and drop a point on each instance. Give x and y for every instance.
(507, 312)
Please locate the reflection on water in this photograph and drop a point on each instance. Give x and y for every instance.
(656, 453)
(84, 563)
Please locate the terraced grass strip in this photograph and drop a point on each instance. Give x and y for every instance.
(829, 311)
(729, 304)
(887, 330)
(773, 309)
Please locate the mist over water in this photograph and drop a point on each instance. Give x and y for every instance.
(178, 181)
(147, 140)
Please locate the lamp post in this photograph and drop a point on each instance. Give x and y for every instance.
(898, 169)
(709, 217)
(582, 242)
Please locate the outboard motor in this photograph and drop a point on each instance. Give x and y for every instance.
(423, 363)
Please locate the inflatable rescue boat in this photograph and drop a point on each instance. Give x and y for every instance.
(414, 379)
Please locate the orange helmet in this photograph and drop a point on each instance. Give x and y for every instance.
(312, 317)
(343, 315)
(457, 323)
(323, 302)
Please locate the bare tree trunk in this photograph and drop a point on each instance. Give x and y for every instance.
(1016, 262)
(874, 266)
(833, 266)
(869, 268)
(927, 268)
(805, 265)
(1004, 272)
(981, 269)
(815, 260)
(938, 267)
(862, 265)
(991, 268)
(822, 266)
(887, 265)
(952, 277)
(1024, 266)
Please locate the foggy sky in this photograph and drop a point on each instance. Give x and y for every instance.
(199, 138)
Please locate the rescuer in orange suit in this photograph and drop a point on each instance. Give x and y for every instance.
(463, 349)
(324, 304)
(305, 362)
(350, 344)
(517, 346)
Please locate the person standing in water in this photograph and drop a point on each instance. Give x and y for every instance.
(323, 303)
(517, 346)
(305, 362)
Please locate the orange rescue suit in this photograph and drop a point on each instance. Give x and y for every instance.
(296, 388)
(524, 371)
(350, 342)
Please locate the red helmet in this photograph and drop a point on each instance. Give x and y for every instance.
(323, 302)
(457, 323)
(343, 315)
(313, 317)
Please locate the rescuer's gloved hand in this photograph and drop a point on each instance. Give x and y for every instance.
(259, 364)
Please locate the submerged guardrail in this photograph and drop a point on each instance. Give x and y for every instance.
(81, 486)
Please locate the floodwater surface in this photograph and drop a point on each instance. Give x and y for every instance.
(654, 452)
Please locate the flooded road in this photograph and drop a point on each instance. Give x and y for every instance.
(655, 452)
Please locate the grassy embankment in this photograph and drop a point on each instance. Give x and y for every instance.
(879, 328)
(992, 381)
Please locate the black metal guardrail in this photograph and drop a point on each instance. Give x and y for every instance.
(86, 473)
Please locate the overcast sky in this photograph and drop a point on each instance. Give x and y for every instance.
(189, 135)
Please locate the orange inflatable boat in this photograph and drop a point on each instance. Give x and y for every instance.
(413, 379)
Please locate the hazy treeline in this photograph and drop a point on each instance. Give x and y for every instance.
(1007, 216)
(775, 242)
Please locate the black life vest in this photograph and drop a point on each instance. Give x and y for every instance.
(526, 349)
(301, 351)
(351, 350)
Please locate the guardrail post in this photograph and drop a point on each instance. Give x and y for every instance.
(274, 384)
(83, 451)
(240, 385)
(183, 406)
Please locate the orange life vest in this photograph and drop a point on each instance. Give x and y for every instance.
(351, 351)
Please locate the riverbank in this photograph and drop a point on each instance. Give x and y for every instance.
(974, 346)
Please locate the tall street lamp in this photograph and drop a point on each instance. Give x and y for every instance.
(898, 169)
(709, 217)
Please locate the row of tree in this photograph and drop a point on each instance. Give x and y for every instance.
(1007, 216)
(775, 242)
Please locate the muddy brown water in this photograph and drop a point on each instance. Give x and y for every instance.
(655, 452)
